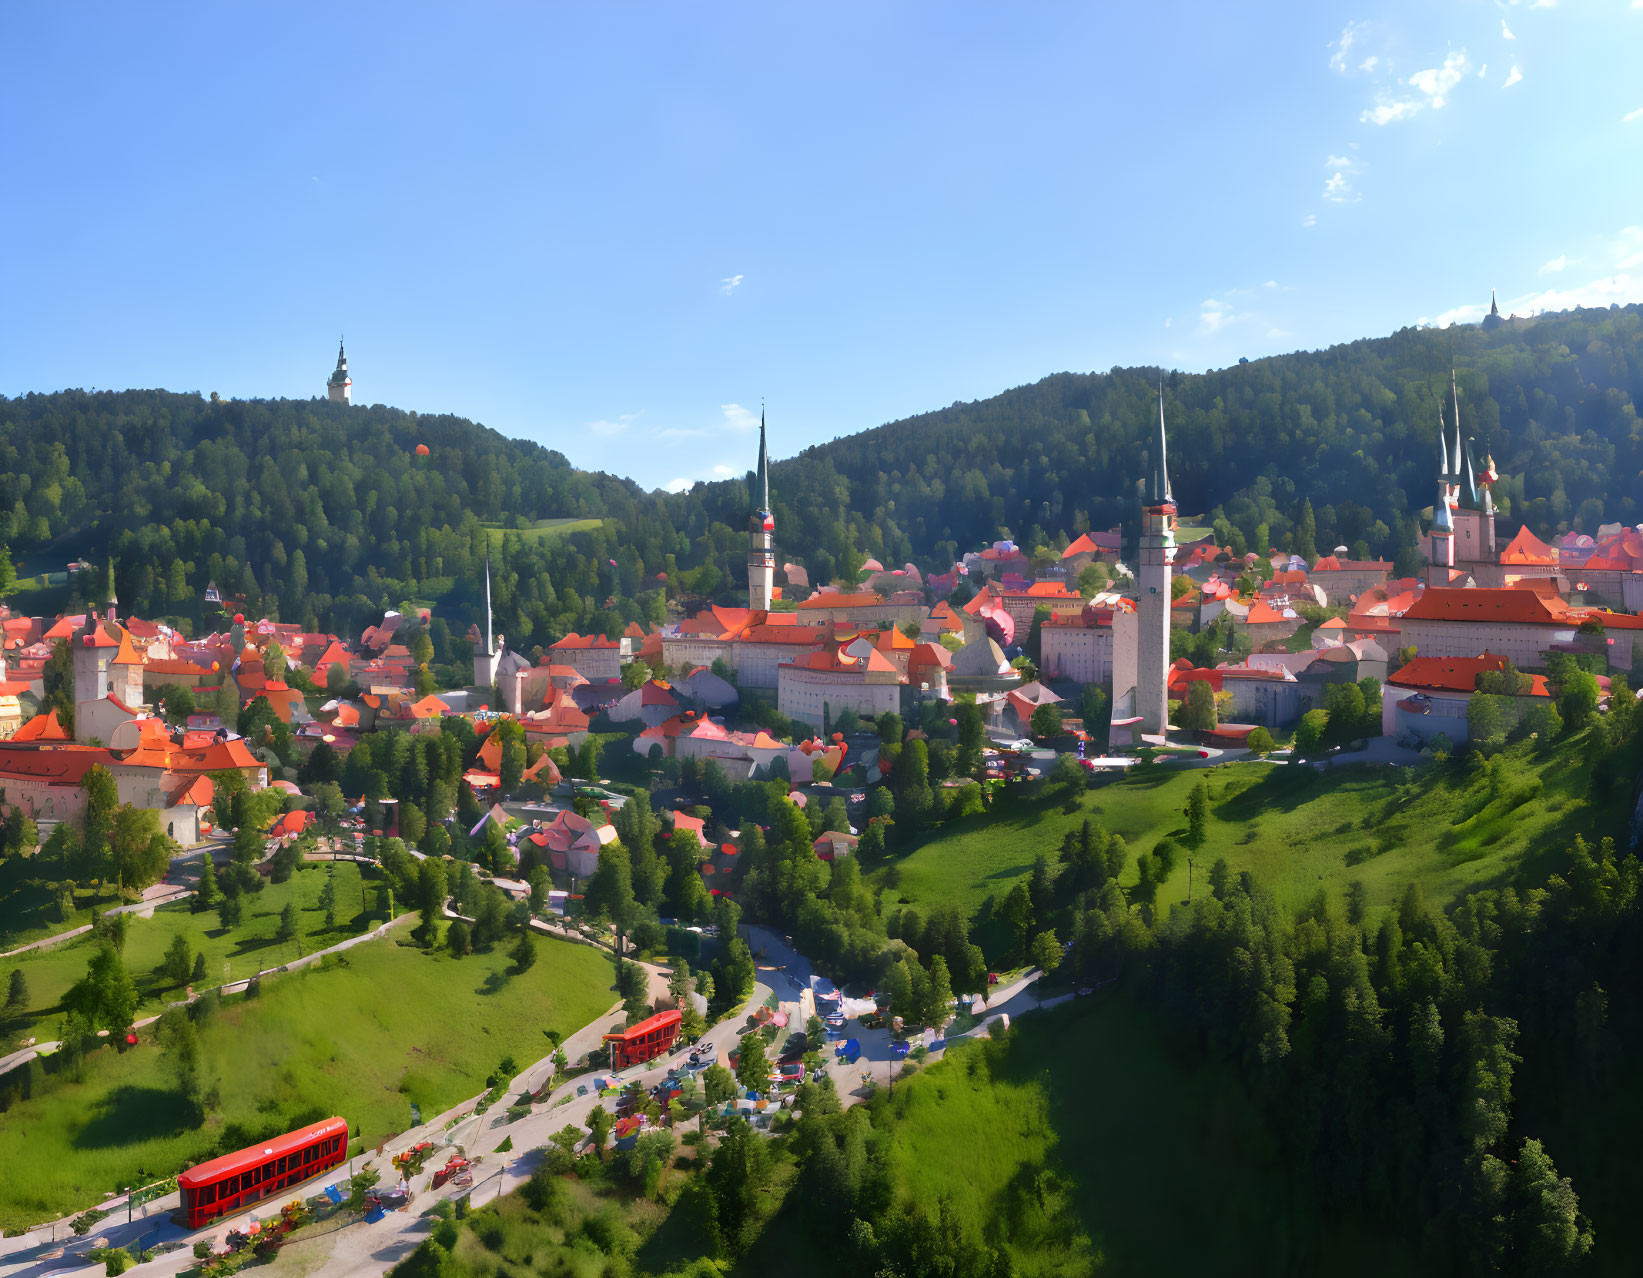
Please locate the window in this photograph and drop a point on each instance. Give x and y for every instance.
(231, 1186)
(208, 1194)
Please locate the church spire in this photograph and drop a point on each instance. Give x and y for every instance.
(1454, 396)
(1160, 474)
(489, 646)
(764, 465)
(1493, 309)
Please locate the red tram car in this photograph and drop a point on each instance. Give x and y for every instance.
(235, 1181)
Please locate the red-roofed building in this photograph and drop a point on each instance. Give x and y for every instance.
(596, 658)
(1430, 695)
(828, 681)
(1344, 579)
(1519, 624)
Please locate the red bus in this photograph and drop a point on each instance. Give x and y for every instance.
(235, 1181)
(649, 1038)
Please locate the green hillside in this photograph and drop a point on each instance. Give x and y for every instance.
(1451, 828)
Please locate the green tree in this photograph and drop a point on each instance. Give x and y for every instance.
(180, 1049)
(1260, 741)
(1549, 1233)
(1309, 733)
(1198, 815)
(287, 931)
(753, 1066)
(1046, 721)
(178, 962)
(1198, 713)
(1045, 952)
(523, 953)
(106, 995)
(718, 1085)
(458, 940)
(17, 992)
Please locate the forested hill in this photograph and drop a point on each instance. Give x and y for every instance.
(320, 513)
(309, 510)
(1352, 428)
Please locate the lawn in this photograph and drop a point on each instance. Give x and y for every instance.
(364, 1037)
(247, 948)
(1084, 1146)
(1297, 829)
(542, 528)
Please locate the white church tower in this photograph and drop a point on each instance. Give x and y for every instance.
(1156, 569)
(487, 662)
(761, 528)
(339, 388)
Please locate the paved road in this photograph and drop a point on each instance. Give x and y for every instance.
(360, 1248)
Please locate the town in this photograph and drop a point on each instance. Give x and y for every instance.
(919, 641)
(640, 792)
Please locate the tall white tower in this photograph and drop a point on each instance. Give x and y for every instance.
(338, 389)
(761, 528)
(486, 662)
(1153, 609)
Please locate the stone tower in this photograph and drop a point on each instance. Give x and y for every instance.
(1155, 570)
(761, 528)
(338, 390)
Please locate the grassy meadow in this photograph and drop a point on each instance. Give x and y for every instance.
(1297, 829)
(542, 528)
(229, 955)
(1085, 1147)
(378, 1028)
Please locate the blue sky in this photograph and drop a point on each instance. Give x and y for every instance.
(614, 228)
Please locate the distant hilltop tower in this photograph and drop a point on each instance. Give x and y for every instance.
(338, 389)
(761, 528)
(1493, 319)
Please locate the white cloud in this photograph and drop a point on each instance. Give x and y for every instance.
(1556, 264)
(1483, 71)
(1338, 162)
(730, 283)
(1279, 332)
(1506, 31)
(738, 418)
(1369, 63)
(1349, 37)
(1389, 111)
(679, 485)
(1270, 284)
(1311, 219)
(1337, 190)
(1432, 88)
(1436, 82)
(1552, 4)
(608, 428)
(1214, 315)
(1168, 322)
(1512, 77)
(1637, 114)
